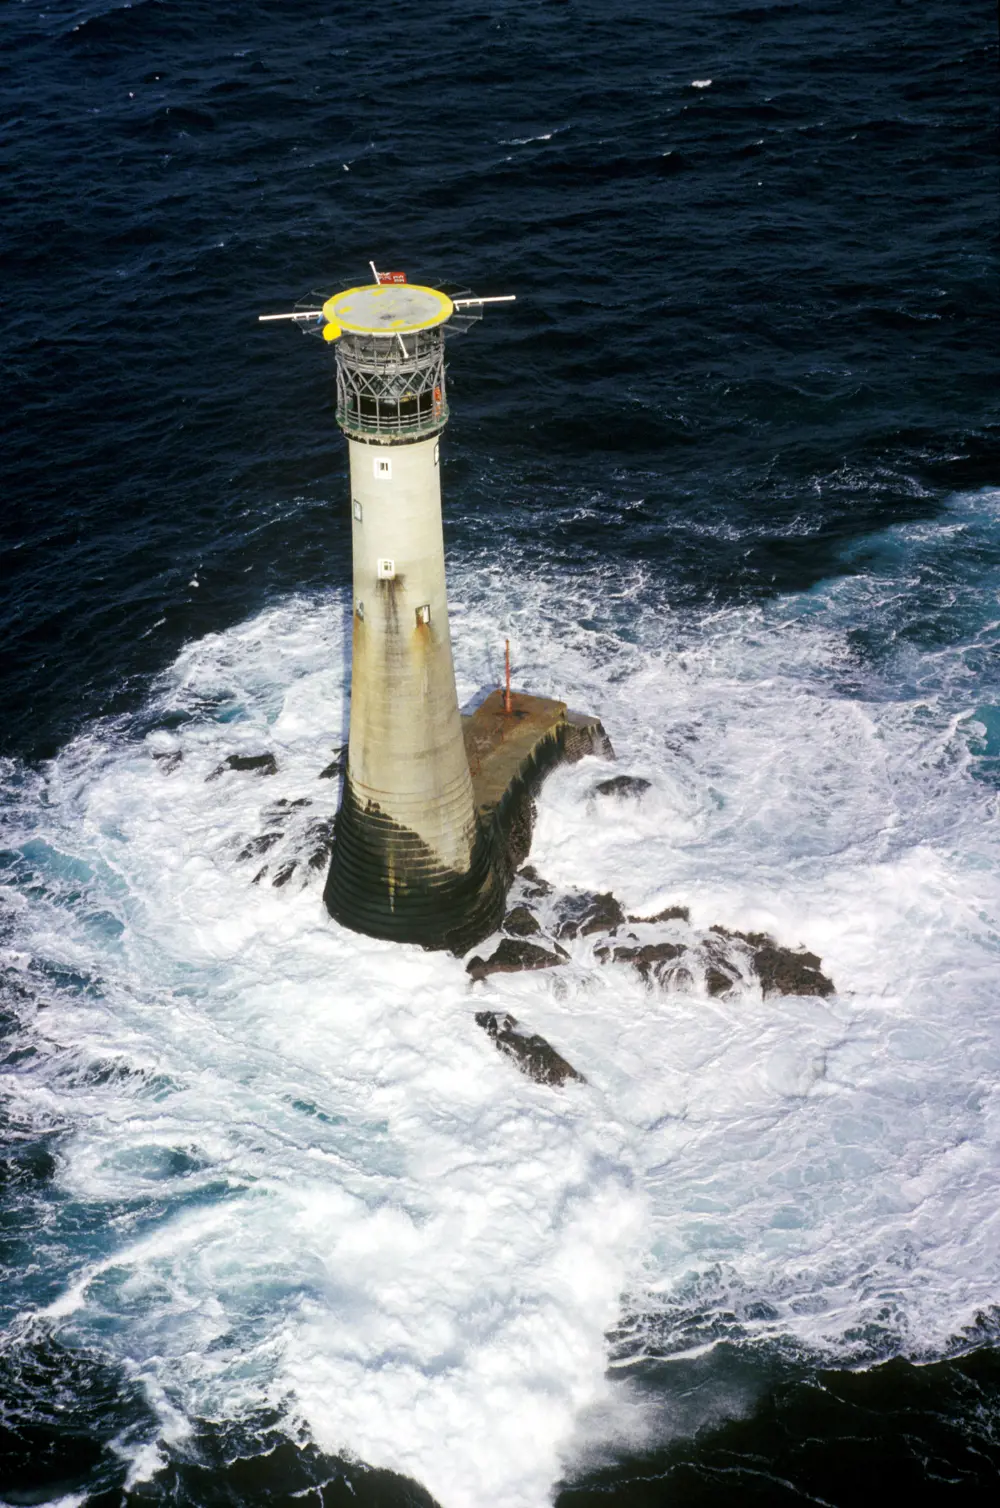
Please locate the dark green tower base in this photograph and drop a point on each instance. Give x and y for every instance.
(385, 881)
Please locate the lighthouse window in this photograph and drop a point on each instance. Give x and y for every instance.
(360, 610)
(383, 468)
(424, 615)
(357, 510)
(437, 452)
(386, 570)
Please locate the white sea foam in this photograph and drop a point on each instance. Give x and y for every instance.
(326, 1191)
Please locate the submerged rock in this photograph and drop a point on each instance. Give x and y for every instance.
(717, 982)
(514, 956)
(258, 764)
(586, 913)
(306, 844)
(623, 786)
(259, 845)
(532, 1054)
(320, 836)
(169, 760)
(521, 922)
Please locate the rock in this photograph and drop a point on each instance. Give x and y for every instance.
(259, 845)
(623, 786)
(512, 956)
(783, 971)
(286, 805)
(716, 982)
(669, 914)
(168, 762)
(648, 959)
(532, 1054)
(259, 764)
(336, 765)
(786, 971)
(321, 836)
(284, 874)
(587, 913)
(521, 922)
(539, 887)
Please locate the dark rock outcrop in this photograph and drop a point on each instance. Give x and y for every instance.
(648, 959)
(717, 982)
(514, 956)
(668, 914)
(336, 765)
(521, 922)
(783, 971)
(259, 845)
(538, 886)
(168, 761)
(622, 786)
(586, 913)
(532, 1054)
(257, 764)
(723, 959)
(320, 836)
(306, 843)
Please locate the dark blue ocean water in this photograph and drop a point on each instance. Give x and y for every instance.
(750, 378)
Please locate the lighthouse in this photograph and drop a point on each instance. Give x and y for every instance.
(436, 810)
(412, 861)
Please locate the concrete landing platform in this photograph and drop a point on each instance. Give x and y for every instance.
(510, 753)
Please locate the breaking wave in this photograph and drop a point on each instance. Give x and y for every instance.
(290, 1172)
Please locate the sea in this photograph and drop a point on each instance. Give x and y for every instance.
(278, 1225)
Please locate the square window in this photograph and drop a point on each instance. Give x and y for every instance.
(382, 467)
(424, 615)
(385, 570)
(359, 608)
(357, 510)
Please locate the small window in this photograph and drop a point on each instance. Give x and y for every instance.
(382, 467)
(424, 615)
(437, 452)
(386, 570)
(357, 510)
(359, 608)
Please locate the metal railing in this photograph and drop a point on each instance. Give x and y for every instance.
(391, 386)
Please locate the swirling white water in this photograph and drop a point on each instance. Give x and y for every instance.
(295, 1173)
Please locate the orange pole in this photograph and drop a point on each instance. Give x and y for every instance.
(506, 698)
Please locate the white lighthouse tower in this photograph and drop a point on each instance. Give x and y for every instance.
(412, 862)
(424, 851)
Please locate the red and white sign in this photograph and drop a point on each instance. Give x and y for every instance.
(392, 277)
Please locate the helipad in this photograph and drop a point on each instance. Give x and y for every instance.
(388, 309)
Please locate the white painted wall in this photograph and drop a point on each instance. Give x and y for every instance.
(406, 748)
